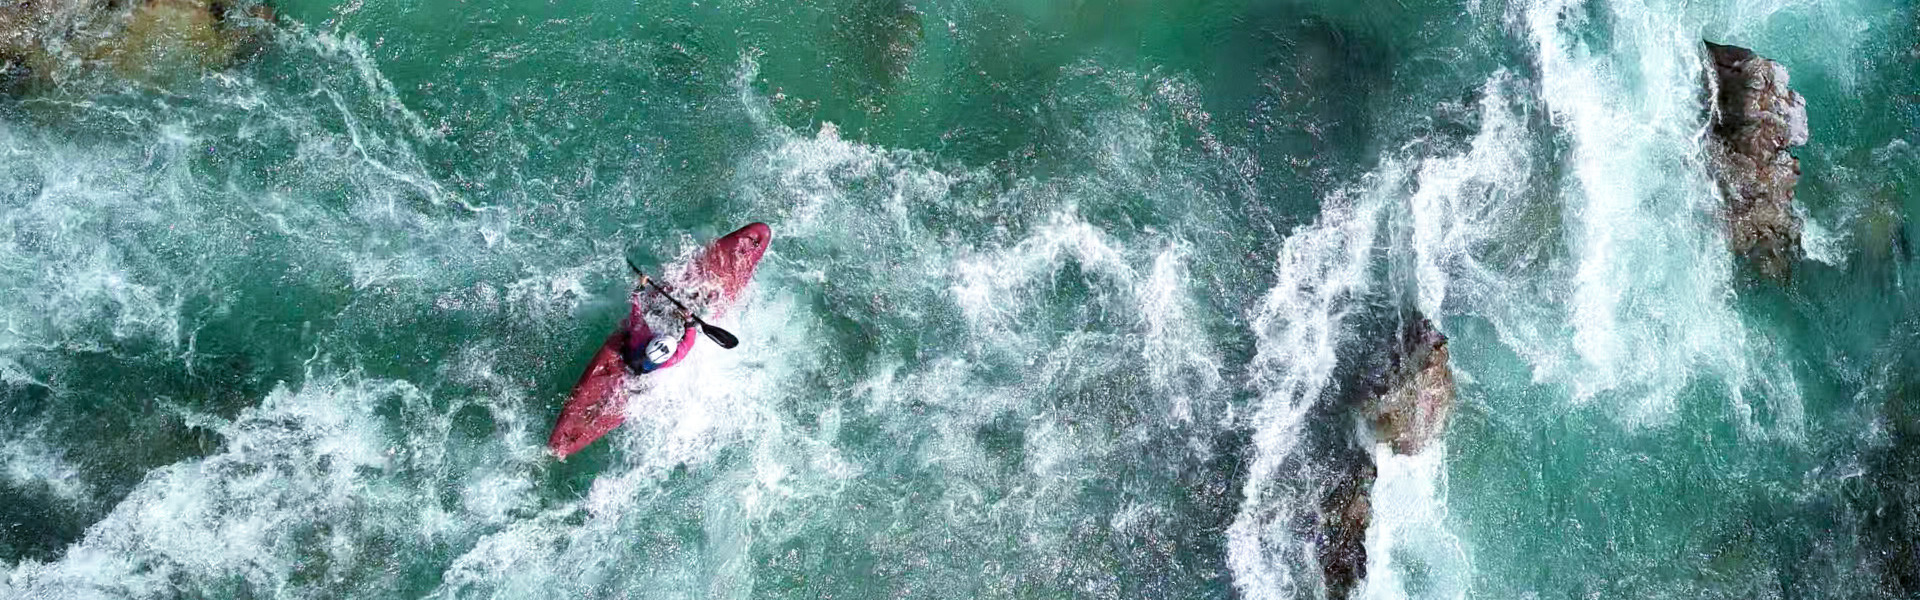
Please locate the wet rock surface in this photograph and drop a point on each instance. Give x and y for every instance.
(1346, 507)
(52, 42)
(1756, 118)
(1405, 403)
(1411, 409)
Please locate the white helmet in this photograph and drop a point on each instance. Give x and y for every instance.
(659, 350)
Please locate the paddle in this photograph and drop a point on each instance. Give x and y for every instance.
(720, 336)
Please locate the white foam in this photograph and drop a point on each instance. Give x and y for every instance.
(306, 474)
(555, 294)
(1819, 243)
(518, 549)
(27, 460)
(392, 158)
(1178, 357)
(63, 276)
(1322, 269)
(803, 179)
(1460, 202)
(1646, 295)
(946, 385)
(1411, 550)
(988, 286)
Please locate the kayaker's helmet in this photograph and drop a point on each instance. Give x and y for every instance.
(659, 350)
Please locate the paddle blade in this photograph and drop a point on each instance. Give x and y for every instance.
(720, 336)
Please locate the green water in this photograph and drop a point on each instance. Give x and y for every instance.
(1062, 301)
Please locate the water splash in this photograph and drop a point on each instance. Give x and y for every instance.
(28, 461)
(1412, 551)
(304, 482)
(1647, 287)
(1323, 271)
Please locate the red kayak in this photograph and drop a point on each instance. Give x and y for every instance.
(710, 285)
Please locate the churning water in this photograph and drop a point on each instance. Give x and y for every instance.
(1060, 303)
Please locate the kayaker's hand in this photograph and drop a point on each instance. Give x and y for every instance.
(644, 280)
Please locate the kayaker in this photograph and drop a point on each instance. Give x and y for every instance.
(646, 352)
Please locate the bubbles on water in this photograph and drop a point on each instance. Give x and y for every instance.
(1818, 242)
(28, 461)
(1412, 551)
(309, 487)
(1461, 202)
(1645, 292)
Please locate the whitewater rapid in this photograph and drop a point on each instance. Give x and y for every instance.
(1081, 326)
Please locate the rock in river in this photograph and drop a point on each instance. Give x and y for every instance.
(1756, 118)
(1417, 398)
(54, 42)
(1406, 407)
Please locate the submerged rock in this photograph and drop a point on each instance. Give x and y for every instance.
(48, 42)
(881, 37)
(1416, 398)
(166, 39)
(1756, 118)
(873, 44)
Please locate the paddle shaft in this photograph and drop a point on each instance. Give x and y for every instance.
(720, 336)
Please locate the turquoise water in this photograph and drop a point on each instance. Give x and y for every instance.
(1062, 302)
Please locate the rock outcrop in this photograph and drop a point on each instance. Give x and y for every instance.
(1756, 118)
(1412, 406)
(1406, 406)
(1346, 507)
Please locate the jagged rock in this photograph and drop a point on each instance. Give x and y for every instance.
(1756, 118)
(1346, 507)
(1417, 397)
(1406, 406)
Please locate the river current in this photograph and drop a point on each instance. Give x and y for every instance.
(1061, 301)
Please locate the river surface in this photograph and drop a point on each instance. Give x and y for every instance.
(1061, 299)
